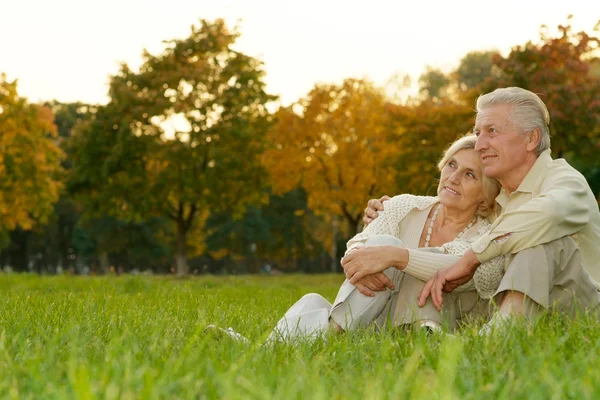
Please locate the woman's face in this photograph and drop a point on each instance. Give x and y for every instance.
(461, 181)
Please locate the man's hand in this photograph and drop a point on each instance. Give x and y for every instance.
(373, 206)
(368, 261)
(448, 279)
(370, 284)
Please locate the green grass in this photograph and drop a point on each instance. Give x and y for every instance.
(142, 337)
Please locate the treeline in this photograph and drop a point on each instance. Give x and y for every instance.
(191, 167)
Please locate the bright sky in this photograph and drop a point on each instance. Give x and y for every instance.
(66, 49)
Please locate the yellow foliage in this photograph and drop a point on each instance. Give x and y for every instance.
(428, 128)
(338, 144)
(29, 161)
(219, 254)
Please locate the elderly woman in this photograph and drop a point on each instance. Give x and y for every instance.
(415, 237)
(401, 249)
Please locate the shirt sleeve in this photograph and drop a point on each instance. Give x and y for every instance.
(560, 210)
(423, 263)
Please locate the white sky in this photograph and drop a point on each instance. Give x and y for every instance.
(66, 49)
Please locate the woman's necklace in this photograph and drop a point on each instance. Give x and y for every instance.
(434, 217)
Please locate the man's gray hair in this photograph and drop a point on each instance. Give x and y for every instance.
(528, 111)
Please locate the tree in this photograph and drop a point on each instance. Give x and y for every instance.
(336, 144)
(283, 232)
(474, 69)
(181, 136)
(427, 129)
(433, 84)
(95, 241)
(30, 162)
(56, 238)
(561, 70)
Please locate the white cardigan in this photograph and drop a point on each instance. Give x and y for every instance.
(405, 216)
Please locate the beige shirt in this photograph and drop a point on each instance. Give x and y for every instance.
(553, 201)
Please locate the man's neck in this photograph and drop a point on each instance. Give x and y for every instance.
(517, 175)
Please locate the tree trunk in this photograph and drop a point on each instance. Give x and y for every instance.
(358, 225)
(19, 253)
(354, 225)
(104, 263)
(181, 251)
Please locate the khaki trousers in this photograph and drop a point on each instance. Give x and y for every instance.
(351, 309)
(552, 276)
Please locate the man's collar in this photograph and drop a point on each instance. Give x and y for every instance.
(528, 184)
(502, 198)
(538, 169)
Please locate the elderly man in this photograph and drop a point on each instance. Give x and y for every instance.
(549, 222)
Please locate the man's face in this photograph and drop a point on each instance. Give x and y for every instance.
(502, 149)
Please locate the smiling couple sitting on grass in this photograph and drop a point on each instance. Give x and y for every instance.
(512, 233)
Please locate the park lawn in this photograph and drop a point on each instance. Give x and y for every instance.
(142, 337)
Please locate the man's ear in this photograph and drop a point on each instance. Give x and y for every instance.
(533, 139)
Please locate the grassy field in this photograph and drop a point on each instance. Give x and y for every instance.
(142, 337)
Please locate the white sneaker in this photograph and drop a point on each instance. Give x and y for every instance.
(498, 323)
(218, 333)
(430, 326)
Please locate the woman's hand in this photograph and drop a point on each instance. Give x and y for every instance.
(370, 284)
(368, 261)
(373, 206)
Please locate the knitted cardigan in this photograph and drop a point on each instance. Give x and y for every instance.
(404, 217)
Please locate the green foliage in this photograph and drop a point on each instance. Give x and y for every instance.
(474, 69)
(129, 244)
(433, 83)
(68, 115)
(52, 244)
(282, 232)
(181, 136)
(142, 337)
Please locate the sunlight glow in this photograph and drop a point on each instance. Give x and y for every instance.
(300, 43)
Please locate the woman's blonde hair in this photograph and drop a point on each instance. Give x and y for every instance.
(491, 187)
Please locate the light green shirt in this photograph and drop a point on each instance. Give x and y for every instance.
(553, 201)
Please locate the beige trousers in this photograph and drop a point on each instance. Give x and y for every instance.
(552, 275)
(351, 309)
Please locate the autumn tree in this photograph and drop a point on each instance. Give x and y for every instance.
(433, 84)
(474, 69)
(30, 160)
(426, 131)
(180, 137)
(560, 69)
(337, 144)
